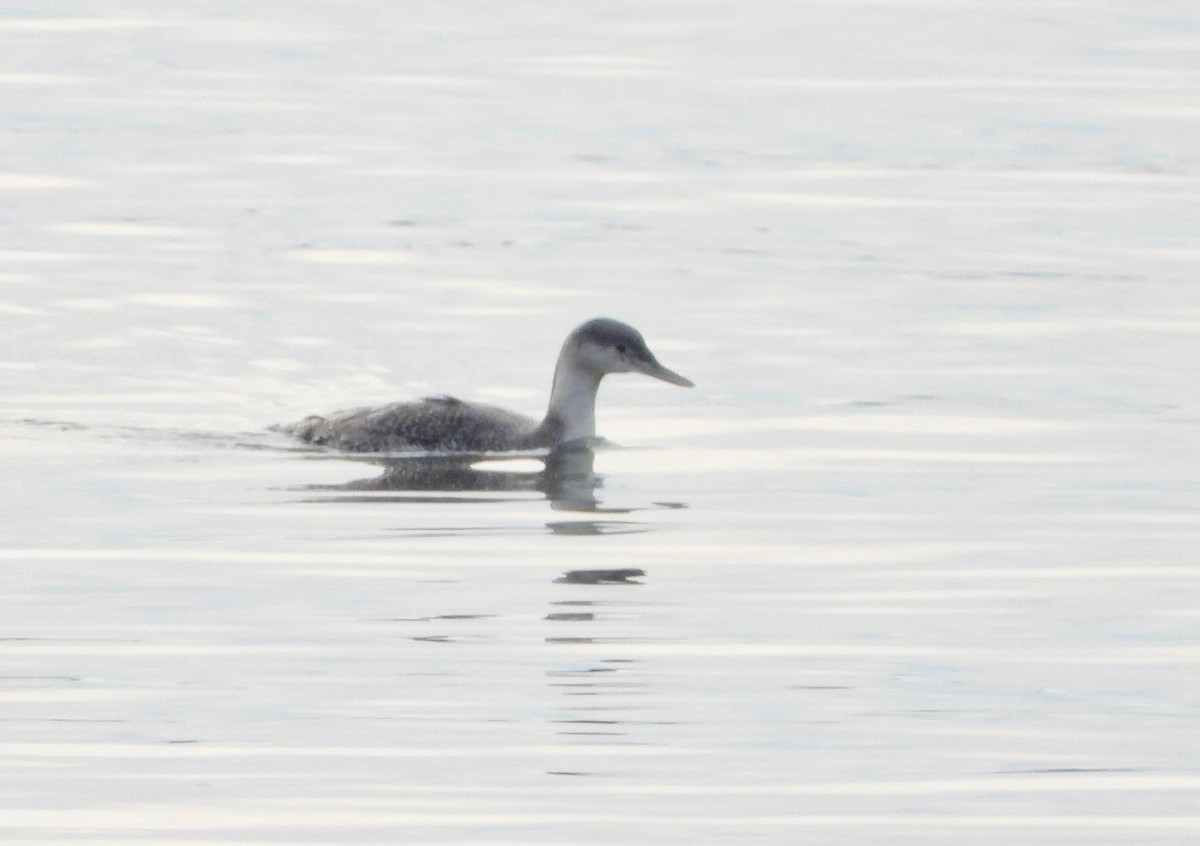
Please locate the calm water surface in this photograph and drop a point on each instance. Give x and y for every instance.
(919, 550)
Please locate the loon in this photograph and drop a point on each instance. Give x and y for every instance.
(445, 424)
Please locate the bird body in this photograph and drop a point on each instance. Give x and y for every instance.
(446, 424)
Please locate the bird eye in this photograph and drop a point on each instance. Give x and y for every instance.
(621, 349)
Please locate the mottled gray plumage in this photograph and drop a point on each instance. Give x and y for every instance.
(433, 423)
(446, 424)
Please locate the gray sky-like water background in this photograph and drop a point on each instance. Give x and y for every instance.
(920, 549)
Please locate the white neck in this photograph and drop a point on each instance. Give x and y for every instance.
(573, 399)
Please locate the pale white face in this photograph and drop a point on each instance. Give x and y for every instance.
(624, 355)
(607, 357)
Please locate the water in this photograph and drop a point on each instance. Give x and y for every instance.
(918, 550)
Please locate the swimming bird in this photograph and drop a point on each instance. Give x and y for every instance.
(445, 424)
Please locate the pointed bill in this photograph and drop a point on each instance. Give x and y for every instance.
(653, 368)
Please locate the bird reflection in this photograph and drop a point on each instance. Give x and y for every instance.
(566, 478)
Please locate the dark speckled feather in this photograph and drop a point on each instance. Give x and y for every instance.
(433, 423)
